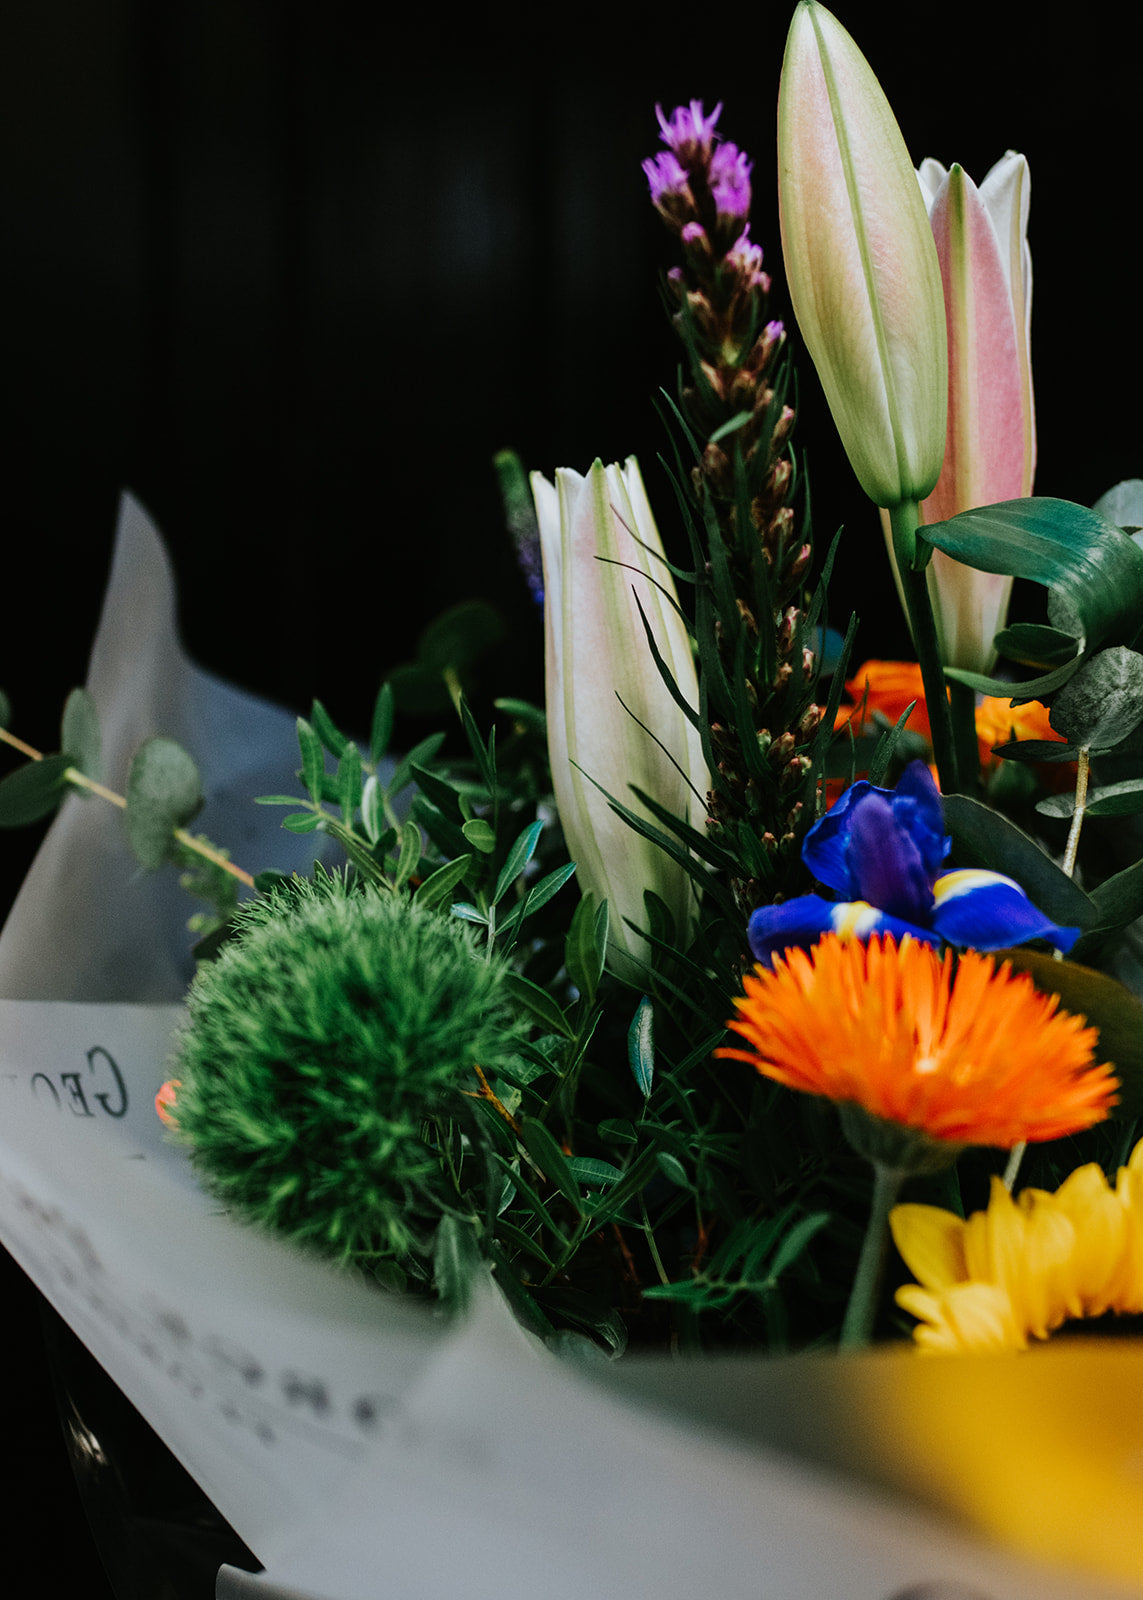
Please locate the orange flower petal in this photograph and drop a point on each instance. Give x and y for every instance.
(973, 1056)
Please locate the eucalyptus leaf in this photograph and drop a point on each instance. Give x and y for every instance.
(80, 736)
(1123, 504)
(1034, 644)
(1113, 800)
(1103, 703)
(163, 793)
(33, 791)
(1089, 561)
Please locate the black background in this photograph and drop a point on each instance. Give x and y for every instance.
(293, 273)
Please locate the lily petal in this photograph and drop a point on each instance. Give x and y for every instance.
(860, 260)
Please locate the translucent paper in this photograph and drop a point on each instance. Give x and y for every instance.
(357, 1443)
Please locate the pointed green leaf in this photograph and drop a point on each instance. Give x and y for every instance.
(163, 793)
(1034, 644)
(519, 855)
(372, 809)
(313, 760)
(538, 896)
(441, 882)
(80, 737)
(33, 791)
(539, 1002)
(410, 853)
(583, 956)
(641, 1046)
(420, 755)
(550, 1159)
(467, 912)
(348, 780)
(331, 737)
(303, 822)
(382, 729)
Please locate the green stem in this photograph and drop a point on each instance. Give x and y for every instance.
(908, 546)
(862, 1307)
(964, 735)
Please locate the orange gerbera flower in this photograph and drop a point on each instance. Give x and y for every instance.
(971, 1054)
(889, 686)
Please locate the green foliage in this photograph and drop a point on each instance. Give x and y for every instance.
(163, 793)
(325, 1065)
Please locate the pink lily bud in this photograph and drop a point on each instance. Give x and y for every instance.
(986, 271)
(860, 261)
(612, 721)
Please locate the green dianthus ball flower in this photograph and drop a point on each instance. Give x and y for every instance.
(325, 1054)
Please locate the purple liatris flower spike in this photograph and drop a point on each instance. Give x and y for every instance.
(688, 131)
(881, 851)
(729, 177)
(667, 180)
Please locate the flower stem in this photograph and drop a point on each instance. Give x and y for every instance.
(862, 1307)
(1012, 1170)
(963, 709)
(907, 546)
(1072, 850)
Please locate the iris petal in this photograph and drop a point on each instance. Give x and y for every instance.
(886, 865)
(802, 922)
(989, 911)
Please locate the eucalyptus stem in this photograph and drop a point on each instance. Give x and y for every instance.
(905, 521)
(80, 780)
(1072, 850)
(857, 1328)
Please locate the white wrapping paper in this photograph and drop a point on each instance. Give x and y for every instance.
(361, 1447)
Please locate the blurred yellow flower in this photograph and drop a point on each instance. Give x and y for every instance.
(1027, 1264)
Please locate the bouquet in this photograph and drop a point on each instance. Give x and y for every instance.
(738, 999)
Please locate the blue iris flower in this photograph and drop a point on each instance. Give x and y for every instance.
(881, 852)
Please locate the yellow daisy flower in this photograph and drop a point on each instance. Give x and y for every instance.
(1027, 1264)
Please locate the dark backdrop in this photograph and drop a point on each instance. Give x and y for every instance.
(292, 273)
